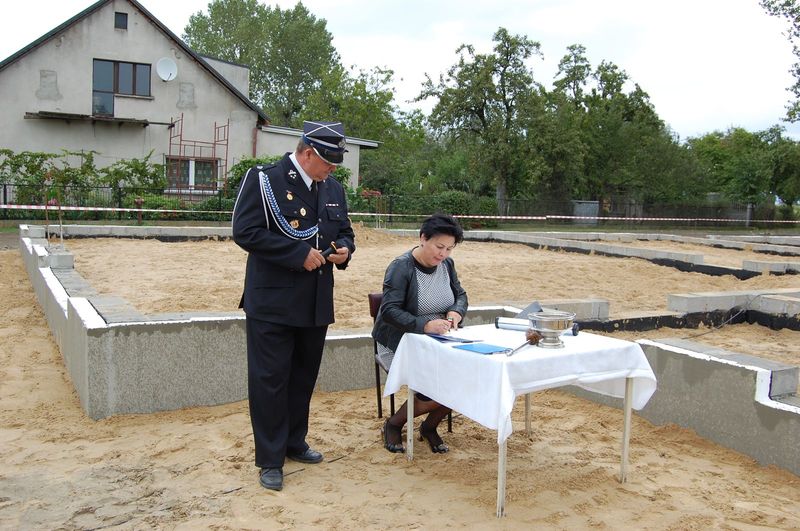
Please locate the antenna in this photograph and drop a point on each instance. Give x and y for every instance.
(166, 69)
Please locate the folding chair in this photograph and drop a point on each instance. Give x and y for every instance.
(375, 300)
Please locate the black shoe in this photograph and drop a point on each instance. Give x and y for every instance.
(434, 441)
(395, 448)
(271, 478)
(308, 456)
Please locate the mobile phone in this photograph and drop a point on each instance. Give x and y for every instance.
(329, 250)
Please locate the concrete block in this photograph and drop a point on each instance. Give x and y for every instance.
(687, 302)
(725, 402)
(348, 362)
(148, 367)
(73, 283)
(725, 300)
(477, 315)
(584, 309)
(90, 231)
(32, 231)
(42, 255)
(116, 310)
(777, 304)
(764, 267)
(784, 377)
(61, 259)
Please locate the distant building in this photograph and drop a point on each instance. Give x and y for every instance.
(115, 80)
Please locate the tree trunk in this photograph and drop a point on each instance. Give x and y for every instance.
(500, 193)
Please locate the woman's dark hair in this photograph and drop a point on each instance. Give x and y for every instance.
(441, 224)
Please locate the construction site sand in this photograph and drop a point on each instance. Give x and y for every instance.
(193, 468)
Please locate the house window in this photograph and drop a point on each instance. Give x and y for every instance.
(120, 20)
(117, 77)
(192, 174)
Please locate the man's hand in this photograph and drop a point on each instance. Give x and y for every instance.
(340, 256)
(314, 260)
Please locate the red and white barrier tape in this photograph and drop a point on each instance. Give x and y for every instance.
(375, 214)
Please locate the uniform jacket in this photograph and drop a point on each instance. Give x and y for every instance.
(398, 312)
(276, 288)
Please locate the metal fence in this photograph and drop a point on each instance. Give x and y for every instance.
(106, 203)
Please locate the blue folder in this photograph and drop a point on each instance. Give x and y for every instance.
(481, 348)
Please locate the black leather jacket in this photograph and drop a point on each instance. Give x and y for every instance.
(398, 312)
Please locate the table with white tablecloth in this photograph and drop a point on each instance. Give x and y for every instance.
(484, 387)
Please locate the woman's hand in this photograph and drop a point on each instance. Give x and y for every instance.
(455, 318)
(437, 326)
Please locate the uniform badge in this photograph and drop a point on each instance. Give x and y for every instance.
(294, 223)
(292, 174)
(302, 211)
(289, 196)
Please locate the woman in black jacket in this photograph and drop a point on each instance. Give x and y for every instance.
(421, 294)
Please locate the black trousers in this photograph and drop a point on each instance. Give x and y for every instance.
(282, 367)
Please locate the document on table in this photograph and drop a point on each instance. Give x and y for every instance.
(442, 338)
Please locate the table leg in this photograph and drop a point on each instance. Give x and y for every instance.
(501, 479)
(626, 429)
(410, 425)
(528, 414)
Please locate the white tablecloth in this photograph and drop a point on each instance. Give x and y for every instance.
(484, 387)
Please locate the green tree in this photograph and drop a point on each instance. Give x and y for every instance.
(288, 51)
(479, 100)
(738, 163)
(555, 124)
(785, 155)
(402, 160)
(573, 74)
(363, 102)
(556, 148)
(622, 132)
(790, 11)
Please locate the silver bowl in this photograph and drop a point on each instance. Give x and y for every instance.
(551, 323)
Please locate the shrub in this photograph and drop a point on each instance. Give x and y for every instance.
(238, 170)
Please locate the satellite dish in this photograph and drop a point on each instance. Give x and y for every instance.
(166, 69)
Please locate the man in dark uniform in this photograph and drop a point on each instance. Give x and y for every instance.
(292, 220)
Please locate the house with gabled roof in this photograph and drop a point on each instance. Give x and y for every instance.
(113, 79)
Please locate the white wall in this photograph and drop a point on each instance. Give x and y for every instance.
(57, 77)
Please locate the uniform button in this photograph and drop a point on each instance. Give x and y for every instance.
(319, 219)
(320, 271)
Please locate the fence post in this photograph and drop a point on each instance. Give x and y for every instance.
(5, 201)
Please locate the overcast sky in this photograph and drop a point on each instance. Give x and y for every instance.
(706, 64)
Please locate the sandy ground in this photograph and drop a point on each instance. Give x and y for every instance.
(196, 276)
(193, 468)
